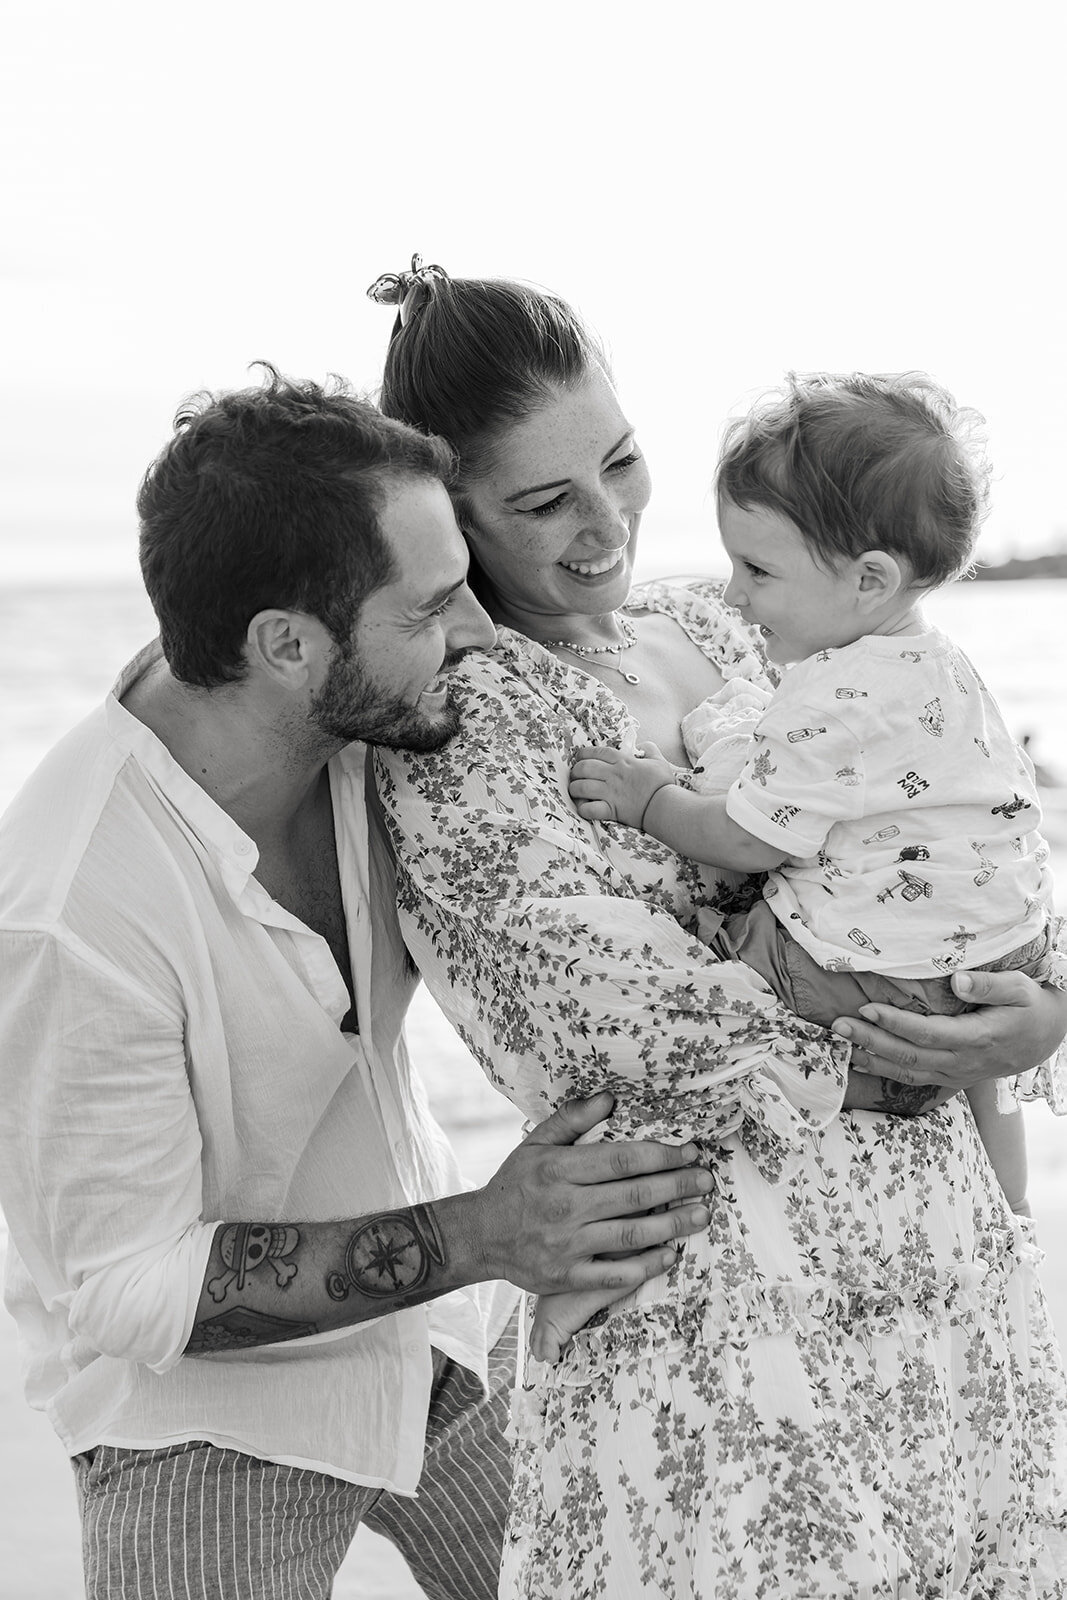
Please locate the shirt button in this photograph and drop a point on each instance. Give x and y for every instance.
(414, 1349)
(400, 1148)
(242, 847)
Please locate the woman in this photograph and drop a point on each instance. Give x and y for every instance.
(848, 1386)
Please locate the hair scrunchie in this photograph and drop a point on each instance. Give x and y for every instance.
(405, 289)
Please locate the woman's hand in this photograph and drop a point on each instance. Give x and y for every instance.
(1018, 1024)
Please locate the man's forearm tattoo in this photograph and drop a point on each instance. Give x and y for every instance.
(390, 1255)
(244, 1246)
(240, 1328)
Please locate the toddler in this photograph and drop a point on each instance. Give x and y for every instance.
(880, 789)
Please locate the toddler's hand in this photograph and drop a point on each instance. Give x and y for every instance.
(609, 785)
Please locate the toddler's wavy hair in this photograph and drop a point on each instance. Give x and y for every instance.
(863, 462)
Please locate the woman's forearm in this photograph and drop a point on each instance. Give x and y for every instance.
(866, 1093)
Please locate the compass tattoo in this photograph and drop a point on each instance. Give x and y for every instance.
(390, 1255)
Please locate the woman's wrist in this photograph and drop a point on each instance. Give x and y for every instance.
(866, 1093)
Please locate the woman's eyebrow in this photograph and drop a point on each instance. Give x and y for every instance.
(535, 488)
(539, 488)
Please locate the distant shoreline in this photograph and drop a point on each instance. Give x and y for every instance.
(1053, 565)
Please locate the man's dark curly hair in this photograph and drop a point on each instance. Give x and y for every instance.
(270, 497)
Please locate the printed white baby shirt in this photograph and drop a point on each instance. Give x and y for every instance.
(886, 771)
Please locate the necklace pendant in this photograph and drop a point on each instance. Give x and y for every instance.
(631, 677)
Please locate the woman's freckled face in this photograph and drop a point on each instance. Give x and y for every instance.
(553, 522)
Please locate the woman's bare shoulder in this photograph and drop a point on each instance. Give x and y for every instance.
(697, 605)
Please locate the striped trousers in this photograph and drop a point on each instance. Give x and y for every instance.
(192, 1521)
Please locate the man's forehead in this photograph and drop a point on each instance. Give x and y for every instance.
(429, 553)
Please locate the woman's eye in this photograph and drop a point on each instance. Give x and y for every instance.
(754, 572)
(549, 505)
(625, 461)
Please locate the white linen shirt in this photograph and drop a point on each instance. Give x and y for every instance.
(171, 1058)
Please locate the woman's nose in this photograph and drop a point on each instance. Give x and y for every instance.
(610, 523)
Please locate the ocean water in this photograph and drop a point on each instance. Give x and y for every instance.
(61, 648)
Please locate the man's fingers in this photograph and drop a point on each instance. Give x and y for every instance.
(637, 1195)
(619, 1165)
(624, 1275)
(573, 1118)
(632, 1235)
(600, 1163)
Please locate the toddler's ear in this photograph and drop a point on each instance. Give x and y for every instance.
(879, 576)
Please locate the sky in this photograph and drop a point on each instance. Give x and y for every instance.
(727, 192)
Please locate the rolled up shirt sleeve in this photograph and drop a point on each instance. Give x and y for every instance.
(805, 773)
(101, 1148)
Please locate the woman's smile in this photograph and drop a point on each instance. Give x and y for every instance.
(597, 567)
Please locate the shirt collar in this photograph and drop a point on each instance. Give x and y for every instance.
(233, 851)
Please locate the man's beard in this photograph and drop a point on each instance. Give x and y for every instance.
(348, 707)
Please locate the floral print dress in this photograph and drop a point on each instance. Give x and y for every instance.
(848, 1386)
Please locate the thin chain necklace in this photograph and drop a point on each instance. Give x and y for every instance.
(586, 652)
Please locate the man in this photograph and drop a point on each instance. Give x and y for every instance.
(254, 1297)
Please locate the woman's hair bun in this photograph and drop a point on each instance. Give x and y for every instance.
(405, 290)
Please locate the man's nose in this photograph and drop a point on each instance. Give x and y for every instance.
(472, 627)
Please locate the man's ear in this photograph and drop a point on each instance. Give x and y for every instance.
(879, 579)
(284, 646)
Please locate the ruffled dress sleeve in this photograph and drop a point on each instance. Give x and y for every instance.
(1048, 1081)
(564, 952)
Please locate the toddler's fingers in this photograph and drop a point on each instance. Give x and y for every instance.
(590, 769)
(595, 810)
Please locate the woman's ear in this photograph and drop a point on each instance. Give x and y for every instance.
(879, 579)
